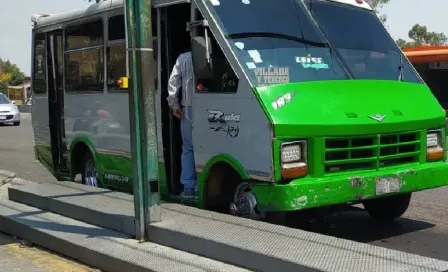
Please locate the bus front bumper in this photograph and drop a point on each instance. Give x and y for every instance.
(341, 189)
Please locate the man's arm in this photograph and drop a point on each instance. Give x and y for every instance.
(174, 84)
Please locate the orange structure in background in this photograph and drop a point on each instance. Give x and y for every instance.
(431, 62)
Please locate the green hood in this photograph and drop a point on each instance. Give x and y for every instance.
(345, 107)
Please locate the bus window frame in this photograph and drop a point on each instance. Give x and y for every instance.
(78, 22)
(226, 48)
(33, 52)
(113, 43)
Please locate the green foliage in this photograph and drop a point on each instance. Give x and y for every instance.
(10, 75)
(420, 35)
(402, 43)
(17, 76)
(377, 5)
(3, 87)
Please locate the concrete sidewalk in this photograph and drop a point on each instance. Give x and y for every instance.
(15, 255)
(188, 239)
(95, 246)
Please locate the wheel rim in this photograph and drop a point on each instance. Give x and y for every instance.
(91, 173)
(244, 202)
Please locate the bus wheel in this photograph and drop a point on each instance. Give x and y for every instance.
(244, 203)
(90, 172)
(388, 208)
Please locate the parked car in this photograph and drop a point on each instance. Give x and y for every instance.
(9, 113)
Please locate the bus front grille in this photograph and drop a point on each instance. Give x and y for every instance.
(371, 152)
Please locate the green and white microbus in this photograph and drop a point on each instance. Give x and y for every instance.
(300, 104)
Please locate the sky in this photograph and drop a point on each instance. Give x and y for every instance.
(15, 22)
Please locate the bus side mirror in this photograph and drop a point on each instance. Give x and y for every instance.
(201, 52)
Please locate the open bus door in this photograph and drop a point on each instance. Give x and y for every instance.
(56, 100)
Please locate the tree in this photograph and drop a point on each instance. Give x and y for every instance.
(402, 43)
(10, 75)
(4, 81)
(17, 76)
(377, 5)
(420, 35)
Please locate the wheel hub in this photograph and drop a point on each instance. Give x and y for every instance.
(91, 174)
(244, 203)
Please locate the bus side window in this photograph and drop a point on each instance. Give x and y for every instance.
(224, 79)
(84, 57)
(40, 64)
(116, 52)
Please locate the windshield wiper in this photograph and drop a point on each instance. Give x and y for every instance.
(400, 68)
(275, 35)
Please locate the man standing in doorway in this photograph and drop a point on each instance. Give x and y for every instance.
(182, 76)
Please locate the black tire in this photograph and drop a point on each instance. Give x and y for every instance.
(16, 124)
(88, 161)
(388, 208)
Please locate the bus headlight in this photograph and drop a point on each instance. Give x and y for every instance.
(434, 147)
(293, 159)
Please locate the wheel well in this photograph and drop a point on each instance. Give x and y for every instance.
(220, 186)
(78, 153)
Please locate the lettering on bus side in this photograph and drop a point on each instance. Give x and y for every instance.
(116, 178)
(312, 62)
(228, 123)
(272, 75)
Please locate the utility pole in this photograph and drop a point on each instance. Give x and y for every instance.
(142, 116)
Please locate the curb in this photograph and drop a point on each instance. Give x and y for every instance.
(6, 176)
(24, 108)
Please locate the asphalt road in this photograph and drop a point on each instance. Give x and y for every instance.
(16, 152)
(422, 230)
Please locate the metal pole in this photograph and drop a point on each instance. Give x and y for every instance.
(142, 116)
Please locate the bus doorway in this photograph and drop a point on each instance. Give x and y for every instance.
(56, 100)
(175, 41)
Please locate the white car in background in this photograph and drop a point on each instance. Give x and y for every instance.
(9, 113)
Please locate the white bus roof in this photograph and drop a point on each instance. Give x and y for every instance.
(41, 20)
(357, 3)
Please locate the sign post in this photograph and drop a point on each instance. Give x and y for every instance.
(142, 116)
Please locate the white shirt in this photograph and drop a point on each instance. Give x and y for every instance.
(181, 76)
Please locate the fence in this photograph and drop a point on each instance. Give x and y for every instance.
(19, 94)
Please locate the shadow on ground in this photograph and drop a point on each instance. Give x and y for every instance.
(356, 224)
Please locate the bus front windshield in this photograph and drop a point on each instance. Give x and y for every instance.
(279, 41)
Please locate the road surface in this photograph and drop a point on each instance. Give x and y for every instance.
(423, 229)
(16, 152)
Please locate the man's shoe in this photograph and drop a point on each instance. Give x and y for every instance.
(187, 194)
